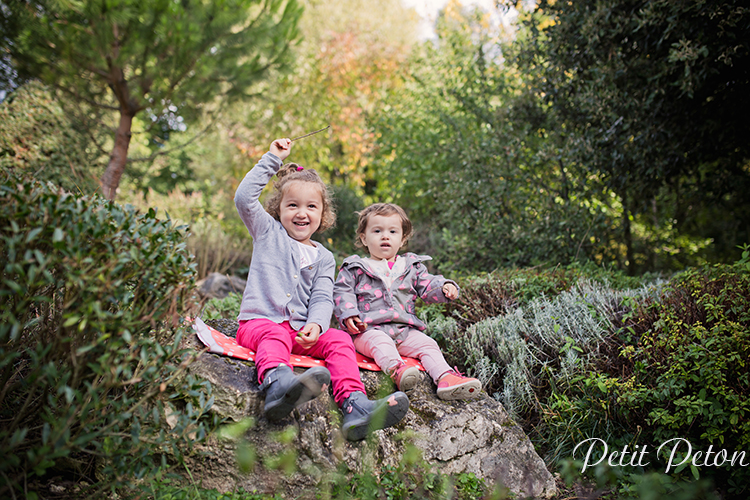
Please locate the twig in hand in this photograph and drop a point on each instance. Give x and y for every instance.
(311, 133)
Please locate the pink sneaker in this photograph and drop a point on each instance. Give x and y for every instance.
(453, 386)
(405, 377)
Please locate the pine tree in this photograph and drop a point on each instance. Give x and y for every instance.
(161, 57)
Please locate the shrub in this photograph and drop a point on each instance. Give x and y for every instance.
(691, 376)
(519, 355)
(495, 294)
(675, 368)
(39, 137)
(340, 238)
(215, 243)
(226, 308)
(89, 341)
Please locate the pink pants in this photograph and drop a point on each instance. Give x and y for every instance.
(273, 343)
(379, 346)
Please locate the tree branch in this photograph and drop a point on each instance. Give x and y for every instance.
(181, 146)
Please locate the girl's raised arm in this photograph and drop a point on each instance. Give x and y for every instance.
(246, 199)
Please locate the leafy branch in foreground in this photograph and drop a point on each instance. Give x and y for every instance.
(92, 380)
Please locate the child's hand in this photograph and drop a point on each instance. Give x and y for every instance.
(450, 291)
(308, 336)
(281, 148)
(354, 325)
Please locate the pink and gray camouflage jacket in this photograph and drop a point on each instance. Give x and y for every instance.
(359, 291)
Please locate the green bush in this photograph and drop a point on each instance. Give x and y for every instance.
(340, 238)
(522, 348)
(494, 294)
(226, 308)
(42, 138)
(690, 371)
(677, 367)
(217, 247)
(90, 362)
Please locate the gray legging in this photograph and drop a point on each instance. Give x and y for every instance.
(378, 345)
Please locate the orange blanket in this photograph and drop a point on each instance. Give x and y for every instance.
(218, 343)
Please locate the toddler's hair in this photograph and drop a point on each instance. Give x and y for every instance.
(293, 172)
(384, 209)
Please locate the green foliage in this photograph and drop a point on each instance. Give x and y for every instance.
(691, 56)
(226, 308)
(90, 362)
(654, 97)
(402, 482)
(496, 293)
(166, 491)
(346, 60)
(545, 344)
(165, 174)
(524, 332)
(690, 375)
(167, 60)
(632, 369)
(473, 157)
(181, 54)
(37, 137)
(215, 243)
(411, 478)
(545, 150)
(619, 482)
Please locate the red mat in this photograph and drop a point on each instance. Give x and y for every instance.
(218, 343)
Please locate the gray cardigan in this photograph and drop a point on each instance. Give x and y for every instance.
(277, 289)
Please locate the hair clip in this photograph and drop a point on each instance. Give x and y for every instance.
(300, 169)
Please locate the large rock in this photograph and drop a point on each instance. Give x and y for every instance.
(474, 436)
(217, 285)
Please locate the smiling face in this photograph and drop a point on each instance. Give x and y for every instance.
(301, 210)
(383, 236)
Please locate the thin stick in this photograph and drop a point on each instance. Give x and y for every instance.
(311, 133)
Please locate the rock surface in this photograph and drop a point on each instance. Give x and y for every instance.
(217, 285)
(475, 436)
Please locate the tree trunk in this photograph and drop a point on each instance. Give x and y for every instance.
(128, 108)
(119, 156)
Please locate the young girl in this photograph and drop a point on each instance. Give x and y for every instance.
(375, 297)
(287, 304)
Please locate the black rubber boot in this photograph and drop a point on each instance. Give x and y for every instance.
(285, 390)
(362, 416)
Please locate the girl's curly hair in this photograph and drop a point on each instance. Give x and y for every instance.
(384, 209)
(293, 172)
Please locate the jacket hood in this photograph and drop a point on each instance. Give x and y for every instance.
(355, 261)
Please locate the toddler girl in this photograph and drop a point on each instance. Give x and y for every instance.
(374, 299)
(287, 304)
